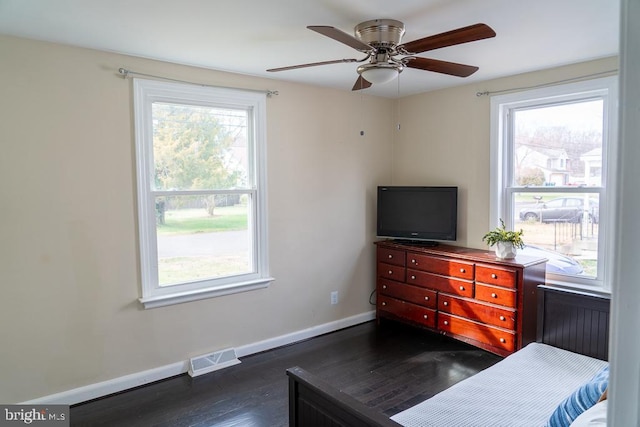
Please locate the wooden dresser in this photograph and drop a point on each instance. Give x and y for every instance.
(465, 293)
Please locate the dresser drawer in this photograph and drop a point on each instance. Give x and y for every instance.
(390, 271)
(440, 283)
(495, 337)
(391, 256)
(409, 293)
(443, 266)
(406, 310)
(496, 295)
(470, 309)
(496, 276)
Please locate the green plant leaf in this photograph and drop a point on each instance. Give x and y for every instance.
(501, 234)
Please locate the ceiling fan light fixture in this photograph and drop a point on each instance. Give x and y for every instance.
(381, 41)
(378, 74)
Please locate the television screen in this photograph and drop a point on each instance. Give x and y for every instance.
(418, 213)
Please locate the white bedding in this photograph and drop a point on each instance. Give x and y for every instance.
(522, 390)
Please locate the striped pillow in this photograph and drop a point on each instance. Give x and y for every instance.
(580, 400)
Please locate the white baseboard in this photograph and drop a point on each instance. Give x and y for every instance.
(105, 388)
(94, 391)
(304, 334)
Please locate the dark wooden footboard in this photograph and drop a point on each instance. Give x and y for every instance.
(314, 403)
(574, 321)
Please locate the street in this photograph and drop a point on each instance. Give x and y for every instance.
(203, 244)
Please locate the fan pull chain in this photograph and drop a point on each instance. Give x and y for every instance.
(398, 106)
(361, 114)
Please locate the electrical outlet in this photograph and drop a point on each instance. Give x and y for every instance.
(334, 297)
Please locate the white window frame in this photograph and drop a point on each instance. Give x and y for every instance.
(147, 92)
(501, 155)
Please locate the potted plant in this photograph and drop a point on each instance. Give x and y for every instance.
(506, 242)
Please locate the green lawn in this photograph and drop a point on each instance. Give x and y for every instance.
(189, 221)
(189, 269)
(590, 267)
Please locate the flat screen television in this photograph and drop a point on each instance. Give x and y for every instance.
(423, 214)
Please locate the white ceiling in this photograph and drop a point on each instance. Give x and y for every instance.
(249, 36)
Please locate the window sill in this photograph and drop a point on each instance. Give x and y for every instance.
(577, 287)
(178, 298)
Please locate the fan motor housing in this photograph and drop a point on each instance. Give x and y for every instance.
(380, 32)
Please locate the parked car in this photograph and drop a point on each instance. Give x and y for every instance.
(562, 209)
(557, 264)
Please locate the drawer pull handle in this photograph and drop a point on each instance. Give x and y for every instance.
(390, 256)
(445, 303)
(494, 295)
(425, 316)
(413, 261)
(446, 322)
(502, 340)
(494, 276)
(503, 318)
(390, 272)
(384, 286)
(462, 270)
(413, 277)
(462, 288)
(384, 303)
(426, 298)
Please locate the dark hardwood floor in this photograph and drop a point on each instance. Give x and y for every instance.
(389, 367)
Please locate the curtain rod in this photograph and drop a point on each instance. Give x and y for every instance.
(125, 74)
(604, 73)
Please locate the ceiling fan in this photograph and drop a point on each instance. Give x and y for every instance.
(379, 40)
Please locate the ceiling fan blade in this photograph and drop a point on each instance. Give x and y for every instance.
(312, 64)
(450, 38)
(361, 83)
(340, 36)
(444, 67)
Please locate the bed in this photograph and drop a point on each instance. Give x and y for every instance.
(524, 389)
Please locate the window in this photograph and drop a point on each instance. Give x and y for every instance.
(552, 149)
(201, 191)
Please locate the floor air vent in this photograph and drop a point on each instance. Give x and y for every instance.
(212, 362)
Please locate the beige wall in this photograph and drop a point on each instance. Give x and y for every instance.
(69, 270)
(444, 140)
